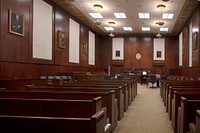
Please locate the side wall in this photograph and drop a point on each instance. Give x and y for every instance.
(16, 60)
(184, 70)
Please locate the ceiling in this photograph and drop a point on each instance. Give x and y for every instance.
(182, 10)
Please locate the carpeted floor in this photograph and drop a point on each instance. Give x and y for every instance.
(146, 114)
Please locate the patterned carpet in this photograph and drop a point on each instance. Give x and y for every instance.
(146, 114)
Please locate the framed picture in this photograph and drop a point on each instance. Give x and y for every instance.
(61, 39)
(85, 48)
(117, 54)
(16, 23)
(158, 54)
(195, 40)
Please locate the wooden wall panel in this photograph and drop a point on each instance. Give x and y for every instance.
(14, 47)
(16, 51)
(195, 29)
(13, 70)
(84, 35)
(144, 46)
(61, 24)
(99, 52)
(171, 54)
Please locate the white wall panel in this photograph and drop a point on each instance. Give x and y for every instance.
(159, 49)
(42, 30)
(74, 30)
(181, 49)
(91, 48)
(118, 48)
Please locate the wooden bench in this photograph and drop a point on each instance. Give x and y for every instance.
(131, 84)
(108, 99)
(186, 114)
(101, 85)
(170, 96)
(195, 127)
(94, 88)
(176, 102)
(165, 84)
(52, 111)
(33, 124)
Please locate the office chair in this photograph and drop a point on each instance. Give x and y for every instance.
(152, 80)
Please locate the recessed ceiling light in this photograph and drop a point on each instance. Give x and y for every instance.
(164, 29)
(145, 28)
(168, 16)
(127, 28)
(98, 7)
(120, 15)
(96, 15)
(109, 28)
(144, 15)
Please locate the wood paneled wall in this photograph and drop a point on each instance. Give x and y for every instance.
(16, 52)
(144, 46)
(184, 70)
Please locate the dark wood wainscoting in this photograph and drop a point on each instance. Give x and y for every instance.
(13, 70)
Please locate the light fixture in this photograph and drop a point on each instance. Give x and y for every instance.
(160, 23)
(158, 35)
(167, 15)
(111, 23)
(111, 34)
(97, 22)
(161, 7)
(120, 15)
(98, 7)
(165, 0)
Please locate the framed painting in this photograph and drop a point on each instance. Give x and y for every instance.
(16, 23)
(85, 48)
(61, 39)
(117, 54)
(158, 54)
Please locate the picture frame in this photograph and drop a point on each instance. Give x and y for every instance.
(16, 23)
(85, 48)
(195, 41)
(158, 54)
(61, 39)
(117, 54)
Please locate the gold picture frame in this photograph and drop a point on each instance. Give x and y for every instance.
(16, 23)
(61, 39)
(85, 48)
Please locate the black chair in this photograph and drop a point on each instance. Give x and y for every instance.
(152, 80)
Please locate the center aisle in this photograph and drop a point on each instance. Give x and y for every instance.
(146, 114)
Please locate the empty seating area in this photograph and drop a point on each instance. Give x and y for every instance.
(97, 104)
(181, 99)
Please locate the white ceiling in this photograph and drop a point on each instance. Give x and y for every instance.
(131, 8)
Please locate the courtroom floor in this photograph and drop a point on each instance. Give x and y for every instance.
(146, 114)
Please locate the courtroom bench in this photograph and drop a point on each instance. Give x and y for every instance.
(118, 92)
(76, 110)
(108, 99)
(124, 87)
(195, 127)
(191, 94)
(187, 114)
(171, 93)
